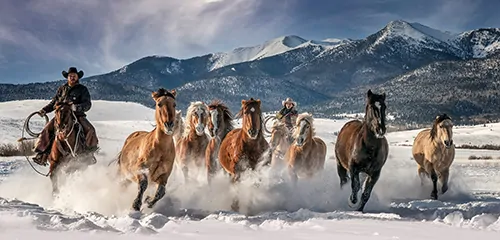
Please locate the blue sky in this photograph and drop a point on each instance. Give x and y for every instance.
(40, 38)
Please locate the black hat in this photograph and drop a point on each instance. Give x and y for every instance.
(72, 70)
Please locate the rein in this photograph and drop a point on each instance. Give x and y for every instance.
(74, 148)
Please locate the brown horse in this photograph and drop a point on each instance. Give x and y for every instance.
(191, 146)
(362, 147)
(149, 156)
(220, 123)
(434, 152)
(279, 143)
(67, 147)
(243, 147)
(307, 155)
(178, 126)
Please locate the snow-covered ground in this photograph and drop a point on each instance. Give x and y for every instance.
(92, 205)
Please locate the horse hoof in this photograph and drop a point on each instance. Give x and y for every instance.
(434, 196)
(351, 203)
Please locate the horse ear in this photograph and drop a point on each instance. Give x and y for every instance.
(383, 96)
(258, 101)
(243, 102)
(369, 93)
(154, 95)
(174, 92)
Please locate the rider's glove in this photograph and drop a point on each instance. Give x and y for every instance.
(42, 112)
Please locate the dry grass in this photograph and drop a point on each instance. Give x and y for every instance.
(474, 157)
(24, 148)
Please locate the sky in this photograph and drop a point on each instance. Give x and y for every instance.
(40, 38)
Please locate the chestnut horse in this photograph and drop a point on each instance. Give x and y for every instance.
(243, 147)
(362, 147)
(149, 156)
(220, 123)
(190, 148)
(434, 152)
(279, 143)
(66, 150)
(307, 154)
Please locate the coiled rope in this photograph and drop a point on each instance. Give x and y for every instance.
(26, 129)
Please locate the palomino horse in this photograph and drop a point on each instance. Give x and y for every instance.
(178, 126)
(243, 147)
(279, 143)
(67, 146)
(190, 148)
(361, 147)
(306, 156)
(149, 156)
(220, 124)
(434, 152)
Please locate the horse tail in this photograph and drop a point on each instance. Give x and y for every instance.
(117, 159)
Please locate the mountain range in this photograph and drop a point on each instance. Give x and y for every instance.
(424, 72)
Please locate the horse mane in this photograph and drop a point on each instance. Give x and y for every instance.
(164, 92)
(438, 120)
(189, 115)
(309, 118)
(228, 116)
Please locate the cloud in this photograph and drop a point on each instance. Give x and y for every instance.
(105, 35)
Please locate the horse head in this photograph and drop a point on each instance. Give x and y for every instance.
(220, 118)
(442, 129)
(64, 119)
(304, 129)
(252, 117)
(375, 113)
(279, 132)
(197, 117)
(165, 109)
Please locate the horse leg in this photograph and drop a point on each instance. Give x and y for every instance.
(422, 174)
(185, 172)
(342, 172)
(370, 182)
(160, 190)
(235, 206)
(434, 193)
(355, 185)
(54, 177)
(443, 178)
(143, 185)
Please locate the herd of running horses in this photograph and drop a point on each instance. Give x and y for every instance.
(361, 146)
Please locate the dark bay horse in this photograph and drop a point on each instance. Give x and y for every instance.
(220, 123)
(434, 152)
(66, 153)
(362, 147)
(243, 148)
(149, 156)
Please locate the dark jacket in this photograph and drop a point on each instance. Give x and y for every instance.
(289, 115)
(77, 94)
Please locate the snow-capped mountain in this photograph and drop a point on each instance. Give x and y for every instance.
(312, 71)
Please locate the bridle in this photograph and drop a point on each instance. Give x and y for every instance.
(65, 139)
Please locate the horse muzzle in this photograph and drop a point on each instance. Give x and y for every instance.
(213, 132)
(300, 141)
(448, 143)
(169, 128)
(253, 133)
(200, 130)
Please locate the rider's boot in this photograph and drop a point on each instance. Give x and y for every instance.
(40, 158)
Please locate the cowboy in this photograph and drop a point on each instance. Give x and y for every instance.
(288, 114)
(78, 96)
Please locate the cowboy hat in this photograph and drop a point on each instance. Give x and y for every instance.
(72, 70)
(289, 100)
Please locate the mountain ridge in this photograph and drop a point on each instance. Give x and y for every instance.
(313, 72)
